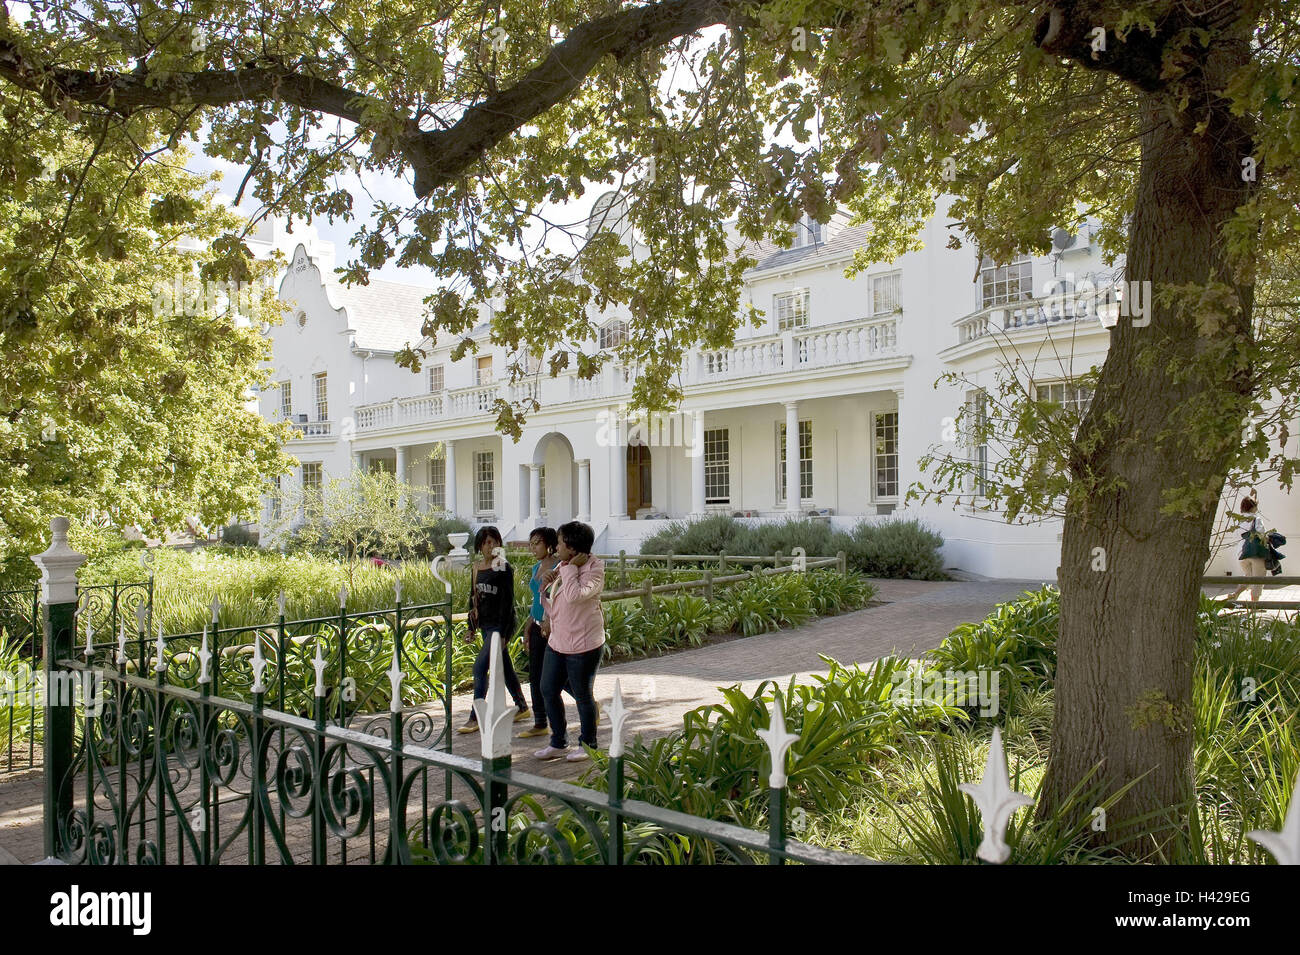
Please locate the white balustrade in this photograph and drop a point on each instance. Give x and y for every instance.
(1039, 312)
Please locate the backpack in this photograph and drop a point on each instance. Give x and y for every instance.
(1254, 543)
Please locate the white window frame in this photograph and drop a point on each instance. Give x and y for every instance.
(478, 370)
(879, 285)
(613, 333)
(320, 394)
(781, 496)
(438, 482)
(1071, 394)
(541, 488)
(286, 399)
(807, 231)
(1006, 284)
(717, 465)
(979, 453)
(790, 309)
(437, 378)
(485, 482)
(877, 419)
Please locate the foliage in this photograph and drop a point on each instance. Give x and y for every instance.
(894, 548)
(121, 404)
(891, 548)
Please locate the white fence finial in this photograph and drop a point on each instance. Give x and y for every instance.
(318, 663)
(436, 568)
(343, 596)
(216, 608)
(495, 718)
(281, 601)
(259, 664)
(159, 665)
(90, 639)
(205, 657)
(121, 641)
(778, 743)
(397, 589)
(395, 678)
(141, 618)
(1284, 845)
(617, 716)
(996, 801)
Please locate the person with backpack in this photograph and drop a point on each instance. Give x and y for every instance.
(1254, 548)
(492, 612)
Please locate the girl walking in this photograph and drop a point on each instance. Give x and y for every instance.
(577, 638)
(1254, 547)
(492, 612)
(543, 541)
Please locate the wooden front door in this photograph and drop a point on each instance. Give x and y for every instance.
(638, 478)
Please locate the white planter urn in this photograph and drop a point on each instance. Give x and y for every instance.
(459, 556)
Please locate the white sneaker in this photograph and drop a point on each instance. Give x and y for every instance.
(550, 752)
(577, 756)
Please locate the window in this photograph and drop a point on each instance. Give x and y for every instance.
(275, 503)
(312, 479)
(613, 334)
(541, 488)
(886, 454)
(286, 400)
(1004, 284)
(436, 373)
(978, 403)
(438, 483)
(885, 293)
(1066, 394)
(791, 309)
(484, 482)
(483, 370)
(807, 231)
(805, 461)
(717, 466)
(322, 401)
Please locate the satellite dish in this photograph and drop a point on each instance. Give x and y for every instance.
(1062, 240)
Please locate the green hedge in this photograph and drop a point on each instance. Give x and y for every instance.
(893, 548)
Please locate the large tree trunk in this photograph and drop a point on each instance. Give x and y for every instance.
(1124, 675)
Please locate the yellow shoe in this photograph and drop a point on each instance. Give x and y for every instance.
(535, 731)
(523, 714)
(470, 727)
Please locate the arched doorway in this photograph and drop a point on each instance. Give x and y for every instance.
(638, 478)
(557, 480)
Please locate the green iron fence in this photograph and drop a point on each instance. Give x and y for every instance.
(20, 665)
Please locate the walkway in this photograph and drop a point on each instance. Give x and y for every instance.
(915, 617)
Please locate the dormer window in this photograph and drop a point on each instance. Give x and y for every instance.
(613, 334)
(807, 231)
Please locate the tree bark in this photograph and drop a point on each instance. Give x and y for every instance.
(1126, 644)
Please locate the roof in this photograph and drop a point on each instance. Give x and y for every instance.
(384, 315)
(842, 242)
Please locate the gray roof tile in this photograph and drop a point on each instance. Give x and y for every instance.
(385, 315)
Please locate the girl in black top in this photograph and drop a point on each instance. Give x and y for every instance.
(492, 611)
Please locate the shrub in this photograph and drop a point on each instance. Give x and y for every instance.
(709, 535)
(894, 548)
(237, 535)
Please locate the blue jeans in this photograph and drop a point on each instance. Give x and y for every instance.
(508, 671)
(579, 670)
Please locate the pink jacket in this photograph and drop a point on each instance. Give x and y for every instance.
(572, 604)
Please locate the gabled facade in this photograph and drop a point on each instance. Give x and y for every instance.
(833, 391)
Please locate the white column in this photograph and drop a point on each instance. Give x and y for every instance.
(792, 456)
(617, 468)
(535, 494)
(695, 452)
(449, 453)
(359, 460)
(584, 489)
(403, 460)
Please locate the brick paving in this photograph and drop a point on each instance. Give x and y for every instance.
(915, 616)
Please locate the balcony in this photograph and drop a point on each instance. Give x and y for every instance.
(311, 429)
(1031, 313)
(800, 350)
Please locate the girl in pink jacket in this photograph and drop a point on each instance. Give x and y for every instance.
(576, 640)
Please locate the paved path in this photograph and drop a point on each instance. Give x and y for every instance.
(915, 617)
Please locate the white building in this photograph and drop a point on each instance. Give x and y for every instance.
(835, 391)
